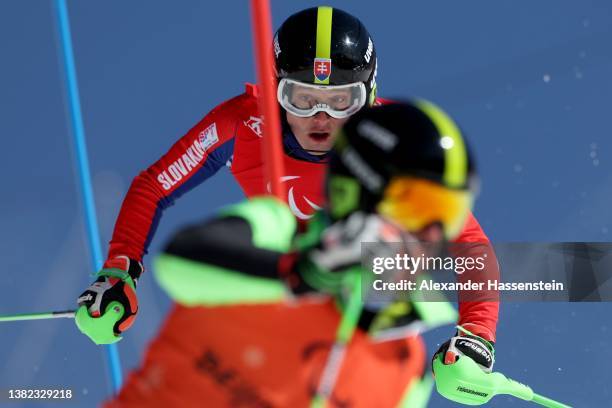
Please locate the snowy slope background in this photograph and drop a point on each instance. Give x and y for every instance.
(530, 82)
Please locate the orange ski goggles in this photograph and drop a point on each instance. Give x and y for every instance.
(415, 203)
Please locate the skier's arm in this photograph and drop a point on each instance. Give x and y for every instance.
(197, 156)
(232, 259)
(479, 317)
(109, 305)
(243, 256)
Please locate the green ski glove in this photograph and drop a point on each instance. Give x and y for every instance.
(464, 343)
(326, 265)
(108, 307)
(461, 363)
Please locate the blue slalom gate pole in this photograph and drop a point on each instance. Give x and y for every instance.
(80, 147)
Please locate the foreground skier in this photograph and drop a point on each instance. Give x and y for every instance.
(262, 305)
(326, 64)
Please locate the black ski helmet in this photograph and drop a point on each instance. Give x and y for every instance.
(400, 158)
(328, 35)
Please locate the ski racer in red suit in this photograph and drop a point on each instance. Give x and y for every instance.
(326, 67)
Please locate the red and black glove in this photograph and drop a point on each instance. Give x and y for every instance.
(116, 282)
(466, 344)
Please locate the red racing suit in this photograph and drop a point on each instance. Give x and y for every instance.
(230, 135)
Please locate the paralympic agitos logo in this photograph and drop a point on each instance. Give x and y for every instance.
(302, 214)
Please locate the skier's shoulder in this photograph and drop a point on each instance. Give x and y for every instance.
(239, 107)
(222, 122)
(264, 214)
(233, 115)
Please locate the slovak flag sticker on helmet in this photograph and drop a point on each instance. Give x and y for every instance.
(322, 69)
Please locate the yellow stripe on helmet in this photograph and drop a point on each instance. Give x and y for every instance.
(455, 167)
(324, 29)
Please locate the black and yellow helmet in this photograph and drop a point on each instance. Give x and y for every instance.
(326, 46)
(407, 161)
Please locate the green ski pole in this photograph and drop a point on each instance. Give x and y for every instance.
(464, 382)
(345, 332)
(66, 314)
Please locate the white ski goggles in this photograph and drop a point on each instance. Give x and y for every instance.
(305, 100)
